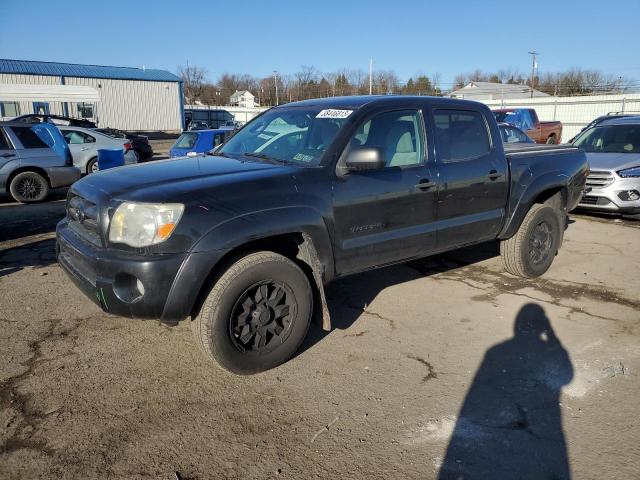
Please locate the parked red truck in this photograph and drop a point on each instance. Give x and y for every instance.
(526, 119)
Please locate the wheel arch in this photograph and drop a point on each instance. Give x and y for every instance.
(298, 233)
(297, 246)
(550, 189)
(27, 168)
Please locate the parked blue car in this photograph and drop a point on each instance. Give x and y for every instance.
(199, 141)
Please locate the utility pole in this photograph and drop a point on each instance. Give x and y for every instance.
(533, 54)
(371, 76)
(275, 80)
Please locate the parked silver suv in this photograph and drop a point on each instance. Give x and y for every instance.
(33, 158)
(613, 153)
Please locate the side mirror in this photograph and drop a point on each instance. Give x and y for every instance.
(367, 158)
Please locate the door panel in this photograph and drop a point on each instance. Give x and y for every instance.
(472, 178)
(386, 215)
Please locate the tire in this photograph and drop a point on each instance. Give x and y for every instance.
(92, 166)
(551, 140)
(235, 307)
(530, 252)
(29, 187)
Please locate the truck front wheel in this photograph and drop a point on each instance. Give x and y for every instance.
(256, 315)
(530, 252)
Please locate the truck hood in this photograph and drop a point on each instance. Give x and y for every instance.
(613, 161)
(165, 175)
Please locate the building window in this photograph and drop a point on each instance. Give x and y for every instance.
(85, 110)
(9, 109)
(41, 108)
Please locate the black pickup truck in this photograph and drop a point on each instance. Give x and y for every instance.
(243, 240)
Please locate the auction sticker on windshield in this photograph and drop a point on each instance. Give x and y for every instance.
(332, 113)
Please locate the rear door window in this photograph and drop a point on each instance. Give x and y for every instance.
(461, 135)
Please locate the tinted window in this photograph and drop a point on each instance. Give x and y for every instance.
(4, 144)
(461, 135)
(28, 138)
(397, 134)
(187, 140)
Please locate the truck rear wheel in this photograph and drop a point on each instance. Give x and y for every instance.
(530, 252)
(552, 140)
(256, 315)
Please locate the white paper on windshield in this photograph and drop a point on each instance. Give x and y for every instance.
(333, 113)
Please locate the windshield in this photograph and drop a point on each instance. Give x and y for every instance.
(610, 139)
(293, 135)
(186, 140)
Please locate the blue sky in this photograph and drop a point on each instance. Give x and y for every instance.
(257, 37)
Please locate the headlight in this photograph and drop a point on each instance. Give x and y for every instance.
(630, 172)
(144, 224)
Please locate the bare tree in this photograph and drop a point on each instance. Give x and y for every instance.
(193, 79)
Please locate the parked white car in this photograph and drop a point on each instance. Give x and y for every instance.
(84, 144)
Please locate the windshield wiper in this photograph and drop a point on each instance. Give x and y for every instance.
(263, 156)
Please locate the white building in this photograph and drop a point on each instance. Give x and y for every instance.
(134, 99)
(494, 91)
(244, 99)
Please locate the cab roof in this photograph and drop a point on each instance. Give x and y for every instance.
(358, 101)
(629, 120)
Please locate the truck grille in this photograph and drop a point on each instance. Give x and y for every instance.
(83, 219)
(599, 179)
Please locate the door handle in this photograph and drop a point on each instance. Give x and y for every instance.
(8, 155)
(425, 184)
(84, 149)
(494, 175)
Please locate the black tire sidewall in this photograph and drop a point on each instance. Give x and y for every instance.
(222, 346)
(551, 216)
(14, 184)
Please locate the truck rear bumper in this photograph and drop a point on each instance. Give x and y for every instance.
(134, 286)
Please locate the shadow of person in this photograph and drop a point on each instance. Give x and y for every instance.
(510, 424)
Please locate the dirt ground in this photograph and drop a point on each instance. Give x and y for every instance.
(441, 368)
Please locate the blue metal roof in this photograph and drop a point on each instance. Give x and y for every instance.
(86, 71)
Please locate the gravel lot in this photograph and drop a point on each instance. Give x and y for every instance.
(422, 375)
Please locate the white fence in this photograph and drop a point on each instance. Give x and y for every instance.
(574, 112)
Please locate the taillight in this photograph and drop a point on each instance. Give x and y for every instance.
(127, 147)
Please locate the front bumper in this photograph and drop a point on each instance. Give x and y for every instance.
(104, 276)
(613, 197)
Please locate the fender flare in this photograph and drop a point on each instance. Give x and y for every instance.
(526, 194)
(315, 250)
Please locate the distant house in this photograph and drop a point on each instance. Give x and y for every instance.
(494, 91)
(243, 98)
